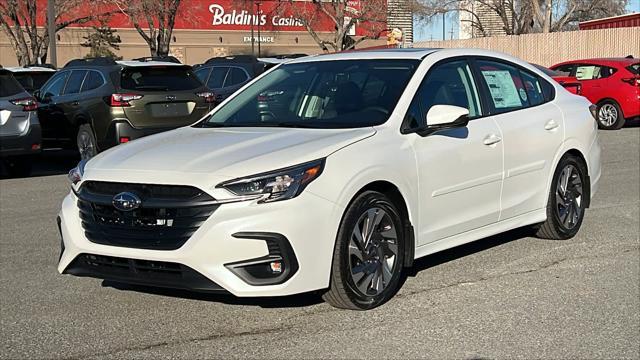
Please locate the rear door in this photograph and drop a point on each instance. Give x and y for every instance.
(594, 81)
(235, 79)
(168, 96)
(13, 120)
(532, 128)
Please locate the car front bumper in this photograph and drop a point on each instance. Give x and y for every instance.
(235, 234)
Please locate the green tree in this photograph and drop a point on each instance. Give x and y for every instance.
(101, 42)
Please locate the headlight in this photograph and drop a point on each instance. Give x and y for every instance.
(276, 185)
(75, 174)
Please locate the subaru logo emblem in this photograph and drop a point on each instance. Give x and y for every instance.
(171, 97)
(126, 201)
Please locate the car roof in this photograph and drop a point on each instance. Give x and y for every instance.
(30, 69)
(410, 53)
(603, 61)
(134, 63)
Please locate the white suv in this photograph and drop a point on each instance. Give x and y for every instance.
(336, 172)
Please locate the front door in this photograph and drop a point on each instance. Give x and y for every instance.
(459, 170)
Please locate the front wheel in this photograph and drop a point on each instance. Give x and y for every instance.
(369, 254)
(610, 116)
(567, 200)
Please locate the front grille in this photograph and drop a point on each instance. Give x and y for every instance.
(166, 219)
(141, 272)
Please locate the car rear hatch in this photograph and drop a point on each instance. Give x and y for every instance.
(14, 120)
(161, 96)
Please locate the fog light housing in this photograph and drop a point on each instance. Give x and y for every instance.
(275, 268)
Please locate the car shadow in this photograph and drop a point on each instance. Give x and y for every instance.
(313, 298)
(55, 162)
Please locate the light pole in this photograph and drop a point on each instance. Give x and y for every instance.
(259, 39)
(51, 28)
(252, 37)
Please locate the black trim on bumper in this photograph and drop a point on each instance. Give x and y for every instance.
(142, 272)
(122, 128)
(257, 271)
(21, 144)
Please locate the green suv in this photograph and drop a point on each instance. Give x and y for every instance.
(94, 104)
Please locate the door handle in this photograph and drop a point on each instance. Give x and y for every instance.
(492, 139)
(75, 103)
(551, 125)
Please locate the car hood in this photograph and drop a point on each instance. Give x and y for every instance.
(223, 152)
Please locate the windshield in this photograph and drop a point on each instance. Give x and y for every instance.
(322, 94)
(159, 78)
(8, 85)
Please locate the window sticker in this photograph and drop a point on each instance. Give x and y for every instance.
(503, 89)
(523, 94)
(585, 72)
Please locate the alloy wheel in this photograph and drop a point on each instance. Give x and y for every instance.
(607, 115)
(373, 250)
(569, 197)
(85, 146)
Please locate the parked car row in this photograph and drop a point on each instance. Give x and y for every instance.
(94, 104)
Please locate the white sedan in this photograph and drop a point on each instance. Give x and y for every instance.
(334, 173)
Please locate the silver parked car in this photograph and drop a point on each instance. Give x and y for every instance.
(20, 136)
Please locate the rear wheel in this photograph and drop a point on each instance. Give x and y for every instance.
(86, 140)
(610, 116)
(368, 255)
(567, 200)
(18, 166)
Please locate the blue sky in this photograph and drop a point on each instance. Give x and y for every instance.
(432, 30)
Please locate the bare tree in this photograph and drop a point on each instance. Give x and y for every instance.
(18, 20)
(154, 20)
(522, 16)
(370, 15)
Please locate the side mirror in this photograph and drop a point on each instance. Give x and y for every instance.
(441, 117)
(36, 94)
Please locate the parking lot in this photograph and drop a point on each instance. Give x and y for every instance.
(502, 297)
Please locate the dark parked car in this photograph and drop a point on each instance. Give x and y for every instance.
(225, 75)
(32, 77)
(19, 127)
(95, 104)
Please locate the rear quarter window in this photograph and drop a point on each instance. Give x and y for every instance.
(161, 78)
(634, 69)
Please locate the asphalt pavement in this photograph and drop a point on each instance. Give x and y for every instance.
(507, 296)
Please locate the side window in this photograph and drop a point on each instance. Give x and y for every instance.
(55, 85)
(75, 82)
(565, 69)
(202, 74)
(593, 72)
(449, 83)
(532, 85)
(507, 91)
(236, 76)
(93, 80)
(217, 77)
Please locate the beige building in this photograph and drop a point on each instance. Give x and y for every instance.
(492, 24)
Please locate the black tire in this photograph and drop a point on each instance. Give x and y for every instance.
(86, 142)
(18, 166)
(557, 226)
(609, 115)
(344, 292)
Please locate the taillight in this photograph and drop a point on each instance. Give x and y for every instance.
(123, 99)
(28, 104)
(579, 89)
(208, 96)
(632, 81)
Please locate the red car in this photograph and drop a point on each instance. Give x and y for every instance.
(612, 84)
(570, 83)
